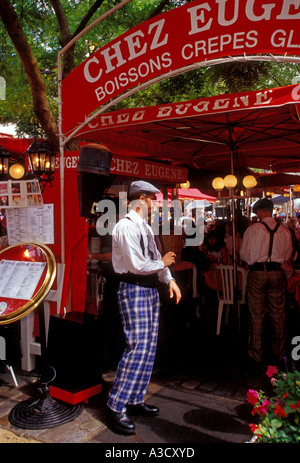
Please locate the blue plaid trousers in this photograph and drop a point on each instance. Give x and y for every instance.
(139, 310)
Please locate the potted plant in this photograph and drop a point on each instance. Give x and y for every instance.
(278, 417)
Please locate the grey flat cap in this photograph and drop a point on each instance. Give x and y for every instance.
(264, 203)
(143, 187)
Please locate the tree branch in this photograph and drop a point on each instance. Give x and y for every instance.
(62, 22)
(41, 105)
(88, 16)
(66, 36)
(159, 8)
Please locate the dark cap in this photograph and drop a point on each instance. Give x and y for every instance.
(141, 186)
(263, 203)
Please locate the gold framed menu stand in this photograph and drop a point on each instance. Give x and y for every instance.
(19, 258)
(27, 273)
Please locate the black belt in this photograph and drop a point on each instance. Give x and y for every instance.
(148, 281)
(265, 266)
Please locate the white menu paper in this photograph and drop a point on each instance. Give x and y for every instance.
(18, 279)
(30, 224)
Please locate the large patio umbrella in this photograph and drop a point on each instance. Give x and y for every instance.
(188, 194)
(198, 204)
(194, 194)
(276, 181)
(280, 199)
(217, 134)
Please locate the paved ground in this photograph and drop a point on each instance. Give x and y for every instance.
(202, 399)
(188, 415)
(200, 384)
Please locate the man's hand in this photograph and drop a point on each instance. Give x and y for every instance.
(169, 258)
(174, 290)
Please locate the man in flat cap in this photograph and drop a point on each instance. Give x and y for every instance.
(265, 246)
(139, 266)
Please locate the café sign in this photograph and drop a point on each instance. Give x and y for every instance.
(194, 34)
(133, 167)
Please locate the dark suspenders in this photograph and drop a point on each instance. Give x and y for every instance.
(272, 233)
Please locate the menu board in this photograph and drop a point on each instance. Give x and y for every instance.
(19, 279)
(30, 223)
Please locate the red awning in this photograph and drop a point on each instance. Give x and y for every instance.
(258, 129)
(194, 193)
(188, 194)
(208, 136)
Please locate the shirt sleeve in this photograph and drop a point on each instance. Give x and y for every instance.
(165, 275)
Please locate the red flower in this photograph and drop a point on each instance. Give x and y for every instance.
(252, 396)
(279, 411)
(261, 409)
(264, 407)
(294, 406)
(284, 395)
(271, 371)
(254, 428)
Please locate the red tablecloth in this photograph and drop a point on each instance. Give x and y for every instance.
(209, 279)
(183, 266)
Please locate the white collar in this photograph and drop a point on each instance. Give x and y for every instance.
(135, 217)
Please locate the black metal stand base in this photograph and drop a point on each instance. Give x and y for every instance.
(43, 412)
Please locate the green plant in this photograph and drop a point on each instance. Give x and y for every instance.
(278, 416)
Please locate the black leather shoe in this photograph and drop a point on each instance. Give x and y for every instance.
(143, 410)
(121, 422)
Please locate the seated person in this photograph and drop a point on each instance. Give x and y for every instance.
(215, 249)
(194, 255)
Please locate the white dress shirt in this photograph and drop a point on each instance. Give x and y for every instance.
(127, 254)
(256, 239)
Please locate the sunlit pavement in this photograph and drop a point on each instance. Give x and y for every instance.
(200, 384)
(205, 406)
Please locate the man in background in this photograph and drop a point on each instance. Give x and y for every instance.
(265, 246)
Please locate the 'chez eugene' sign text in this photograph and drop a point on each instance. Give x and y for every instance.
(198, 32)
(202, 106)
(135, 168)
